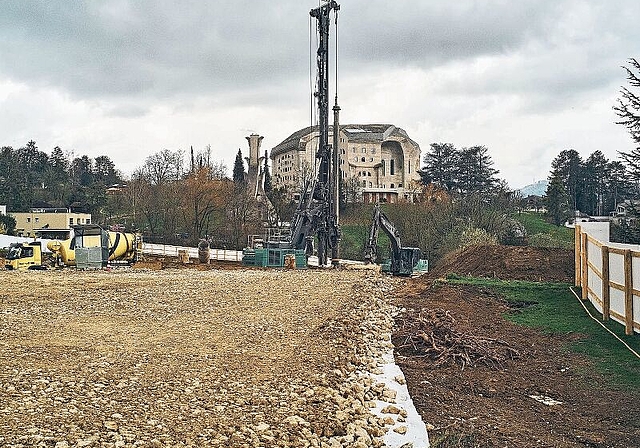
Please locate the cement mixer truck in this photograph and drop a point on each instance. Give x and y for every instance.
(90, 246)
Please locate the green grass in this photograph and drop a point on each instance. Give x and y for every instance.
(543, 233)
(554, 309)
(353, 238)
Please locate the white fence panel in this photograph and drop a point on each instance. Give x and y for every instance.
(615, 282)
(616, 268)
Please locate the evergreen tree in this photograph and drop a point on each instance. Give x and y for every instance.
(268, 185)
(628, 107)
(475, 171)
(239, 175)
(557, 200)
(567, 167)
(440, 166)
(104, 171)
(594, 188)
(619, 186)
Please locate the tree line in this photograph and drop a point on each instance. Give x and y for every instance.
(167, 199)
(596, 186)
(30, 178)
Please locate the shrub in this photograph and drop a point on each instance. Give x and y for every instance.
(473, 236)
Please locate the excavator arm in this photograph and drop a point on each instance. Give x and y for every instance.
(403, 259)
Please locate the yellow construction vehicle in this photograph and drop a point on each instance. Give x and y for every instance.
(92, 246)
(23, 256)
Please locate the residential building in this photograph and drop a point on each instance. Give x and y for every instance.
(50, 223)
(380, 159)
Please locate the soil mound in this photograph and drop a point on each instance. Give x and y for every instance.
(509, 263)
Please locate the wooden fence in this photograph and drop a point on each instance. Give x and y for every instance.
(606, 273)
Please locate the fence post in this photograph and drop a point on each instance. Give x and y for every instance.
(628, 292)
(606, 298)
(577, 256)
(584, 255)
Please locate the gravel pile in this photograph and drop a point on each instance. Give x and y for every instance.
(246, 358)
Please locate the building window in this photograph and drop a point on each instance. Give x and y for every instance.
(364, 150)
(371, 159)
(37, 219)
(409, 167)
(373, 150)
(384, 168)
(369, 173)
(70, 221)
(393, 185)
(364, 159)
(28, 219)
(354, 149)
(392, 168)
(364, 183)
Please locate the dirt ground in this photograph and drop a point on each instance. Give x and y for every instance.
(510, 262)
(224, 356)
(484, 407)
(135, 357)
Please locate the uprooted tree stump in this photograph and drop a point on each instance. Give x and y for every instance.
(432, 334)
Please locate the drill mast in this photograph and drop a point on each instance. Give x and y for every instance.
(317, 210)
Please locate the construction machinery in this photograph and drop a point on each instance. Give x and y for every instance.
(404, 260)
(91, 246)
(23, 256)
(316, 217)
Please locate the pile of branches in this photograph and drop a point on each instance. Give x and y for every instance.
(433, 335)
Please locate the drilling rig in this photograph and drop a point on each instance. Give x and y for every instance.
(317, 211)
(316, 217)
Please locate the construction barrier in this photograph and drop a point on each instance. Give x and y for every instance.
(606, 272)
(174, 251)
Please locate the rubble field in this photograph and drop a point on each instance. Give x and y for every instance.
(186, 357)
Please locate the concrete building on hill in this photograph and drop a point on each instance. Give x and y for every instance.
(381, 159)
(49, 223)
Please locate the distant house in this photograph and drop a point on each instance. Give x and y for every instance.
(48, 223)
(116, 188)
(627, 208)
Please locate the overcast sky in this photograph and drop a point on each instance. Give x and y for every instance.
(128, 78)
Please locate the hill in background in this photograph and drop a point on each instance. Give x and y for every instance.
(536, 189)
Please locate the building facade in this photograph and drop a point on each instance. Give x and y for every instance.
(379, 160)
(50, 223)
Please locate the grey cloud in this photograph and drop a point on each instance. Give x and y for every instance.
(127, 111)
(163, 49)
(157, 48)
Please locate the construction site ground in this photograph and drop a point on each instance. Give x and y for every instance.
(225, 356)
(486, 407)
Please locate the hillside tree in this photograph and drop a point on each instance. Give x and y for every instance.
(239, 174)
(475, 171)
(440, 166)
(628, 109)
